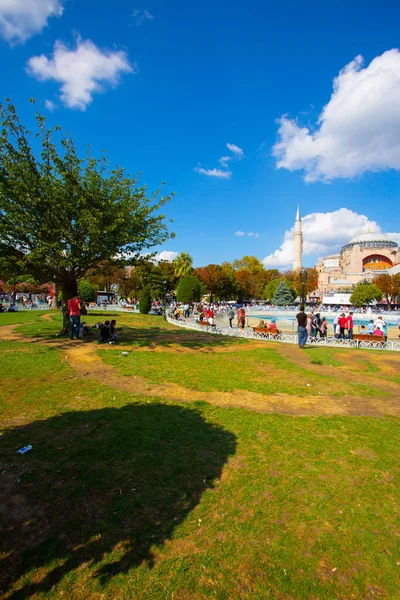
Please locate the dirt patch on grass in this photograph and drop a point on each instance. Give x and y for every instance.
(8, 333)
(345, 373)
(82, 357)
(84, 360)
(47, 316)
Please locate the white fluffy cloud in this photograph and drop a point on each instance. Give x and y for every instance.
(223, 161)
(21, 19)
(240, 233)
(357, 131)
(167, 255)
(81, 72)
(214, 172)
(238, 152)
(323, 234)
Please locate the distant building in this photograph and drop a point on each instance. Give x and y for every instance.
(363, 257)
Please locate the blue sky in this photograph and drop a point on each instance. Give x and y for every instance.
(181, 80)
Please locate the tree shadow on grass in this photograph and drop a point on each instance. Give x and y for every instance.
(102, 481)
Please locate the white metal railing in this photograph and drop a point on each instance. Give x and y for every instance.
(286, 338)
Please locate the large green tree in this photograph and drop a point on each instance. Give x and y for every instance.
(364, 293)
(62, 215)
(189, 289)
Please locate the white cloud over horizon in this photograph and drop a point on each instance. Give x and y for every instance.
(357, 131)
(250, 234)
(82, 72)
(323, 234)
(214, 172)
(22, 19)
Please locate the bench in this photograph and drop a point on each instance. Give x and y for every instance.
(265, 330)
(368, 337)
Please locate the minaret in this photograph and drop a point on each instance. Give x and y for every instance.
(298, 242)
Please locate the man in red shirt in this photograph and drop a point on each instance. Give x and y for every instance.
(74, 308)
(342, 324)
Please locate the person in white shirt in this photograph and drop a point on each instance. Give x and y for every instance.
(380, 323)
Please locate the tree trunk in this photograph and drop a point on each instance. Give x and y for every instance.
(54, 300)
(69, 290)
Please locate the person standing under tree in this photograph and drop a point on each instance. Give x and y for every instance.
(74, 308)
(231, 316)
(302, 327)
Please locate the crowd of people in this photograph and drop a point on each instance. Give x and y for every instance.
(310, 326)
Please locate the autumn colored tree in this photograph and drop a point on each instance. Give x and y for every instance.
(311, 283)
(213, 277)
(61, 215)
(250, 276)
(388, 284)
(105, 275)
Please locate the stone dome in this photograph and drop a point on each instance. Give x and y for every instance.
(370, 237)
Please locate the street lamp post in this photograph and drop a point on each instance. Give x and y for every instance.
(165, 284)
(303, 279)
(14, 292)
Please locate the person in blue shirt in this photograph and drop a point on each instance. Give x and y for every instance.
(371, 327)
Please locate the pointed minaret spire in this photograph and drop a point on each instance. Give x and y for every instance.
(298, 242)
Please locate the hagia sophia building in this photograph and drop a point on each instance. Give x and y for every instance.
(363, 257)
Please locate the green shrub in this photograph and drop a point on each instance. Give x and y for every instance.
(86, 291)
(189, 289)
(145, 300)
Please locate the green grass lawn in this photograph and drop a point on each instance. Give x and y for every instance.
(125, 496)
(262, 370)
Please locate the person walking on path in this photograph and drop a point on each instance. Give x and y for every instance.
(231, 316)
(74, 308)
(302, 327)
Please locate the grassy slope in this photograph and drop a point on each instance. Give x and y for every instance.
(130, 497)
